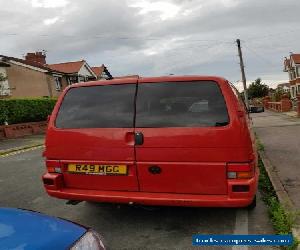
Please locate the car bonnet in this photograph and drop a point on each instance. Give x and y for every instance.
(23, 229)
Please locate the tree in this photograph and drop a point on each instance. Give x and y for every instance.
(257, 89)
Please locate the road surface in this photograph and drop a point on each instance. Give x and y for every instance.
(125, 227)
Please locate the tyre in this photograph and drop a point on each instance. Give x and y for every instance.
(252, 205)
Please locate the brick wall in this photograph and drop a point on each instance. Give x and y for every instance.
(22, 129)
(285, 104)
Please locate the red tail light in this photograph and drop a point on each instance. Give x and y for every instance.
(240, 170)
(53, 166)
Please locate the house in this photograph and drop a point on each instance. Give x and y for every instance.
(74, 72)
(292, 67)
(26, 78)
(4, 87)
(78, 71)
(102, 73)
(285, 87)
(33, 77)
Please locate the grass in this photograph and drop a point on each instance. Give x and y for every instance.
(282, 220)
(259, 145)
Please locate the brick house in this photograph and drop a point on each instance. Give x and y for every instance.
(33, 77)
(285, 87)
(26, 78)
(78, 71)
(292, 67)
(102, 73)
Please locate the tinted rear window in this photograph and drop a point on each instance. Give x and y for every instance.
(181, 104)
(110, 106)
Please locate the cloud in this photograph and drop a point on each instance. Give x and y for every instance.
(157, 37)
(49, 3)
(51, 21)
(166, 10)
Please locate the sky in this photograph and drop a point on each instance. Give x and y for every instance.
(154, 38)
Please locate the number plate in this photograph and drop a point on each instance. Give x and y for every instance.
(98, 169)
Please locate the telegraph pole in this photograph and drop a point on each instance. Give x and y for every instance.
(243, 72)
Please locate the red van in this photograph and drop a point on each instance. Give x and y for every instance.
(179, 141)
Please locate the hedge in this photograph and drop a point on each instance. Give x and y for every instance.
(25, 110)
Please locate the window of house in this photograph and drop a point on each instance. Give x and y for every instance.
(294, 73)
(298, 71)
(73, 79)
(81, 79)
(293, 92)
(298, 89)
(58, 83)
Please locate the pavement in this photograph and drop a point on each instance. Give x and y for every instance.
(9, 145)
(280, 135)
(124, 226)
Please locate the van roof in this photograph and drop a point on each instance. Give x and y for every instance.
(149, 79)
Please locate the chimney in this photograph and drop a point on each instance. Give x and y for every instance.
(37, 57)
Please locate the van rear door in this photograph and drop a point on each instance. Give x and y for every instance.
(93, 137)
(185, 136)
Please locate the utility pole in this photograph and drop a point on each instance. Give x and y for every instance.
(243, 72)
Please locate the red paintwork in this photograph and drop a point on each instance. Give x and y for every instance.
(162, 199)
(194, 161)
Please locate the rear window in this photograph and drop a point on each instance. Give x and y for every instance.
(110, 106)
(181, 104)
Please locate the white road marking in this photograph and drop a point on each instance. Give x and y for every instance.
(241, 225)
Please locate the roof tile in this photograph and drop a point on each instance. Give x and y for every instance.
(67, 67)
(98, 70)
(296, 58)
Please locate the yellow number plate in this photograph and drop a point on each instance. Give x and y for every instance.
(98, 169)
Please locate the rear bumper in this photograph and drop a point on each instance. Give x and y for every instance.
(232, 199)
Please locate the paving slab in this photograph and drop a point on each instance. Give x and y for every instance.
(280, 135)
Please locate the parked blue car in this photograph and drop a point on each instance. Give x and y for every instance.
(23, 230)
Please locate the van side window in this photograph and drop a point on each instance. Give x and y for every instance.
(181, 104)
(110, 106)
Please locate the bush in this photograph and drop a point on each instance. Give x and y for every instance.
(25, 110)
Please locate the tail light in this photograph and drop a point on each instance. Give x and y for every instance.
(53, 166)
(240, 170)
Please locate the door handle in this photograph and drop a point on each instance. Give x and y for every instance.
(154, 169)
(139, 138)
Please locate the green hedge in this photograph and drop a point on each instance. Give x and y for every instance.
(25, 110)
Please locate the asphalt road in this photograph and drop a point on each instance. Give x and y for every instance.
(125, 227)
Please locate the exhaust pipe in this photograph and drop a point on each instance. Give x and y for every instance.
(72, 202)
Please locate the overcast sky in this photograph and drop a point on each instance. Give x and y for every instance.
(152, 38)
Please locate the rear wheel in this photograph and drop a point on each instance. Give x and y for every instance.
(252, 205)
